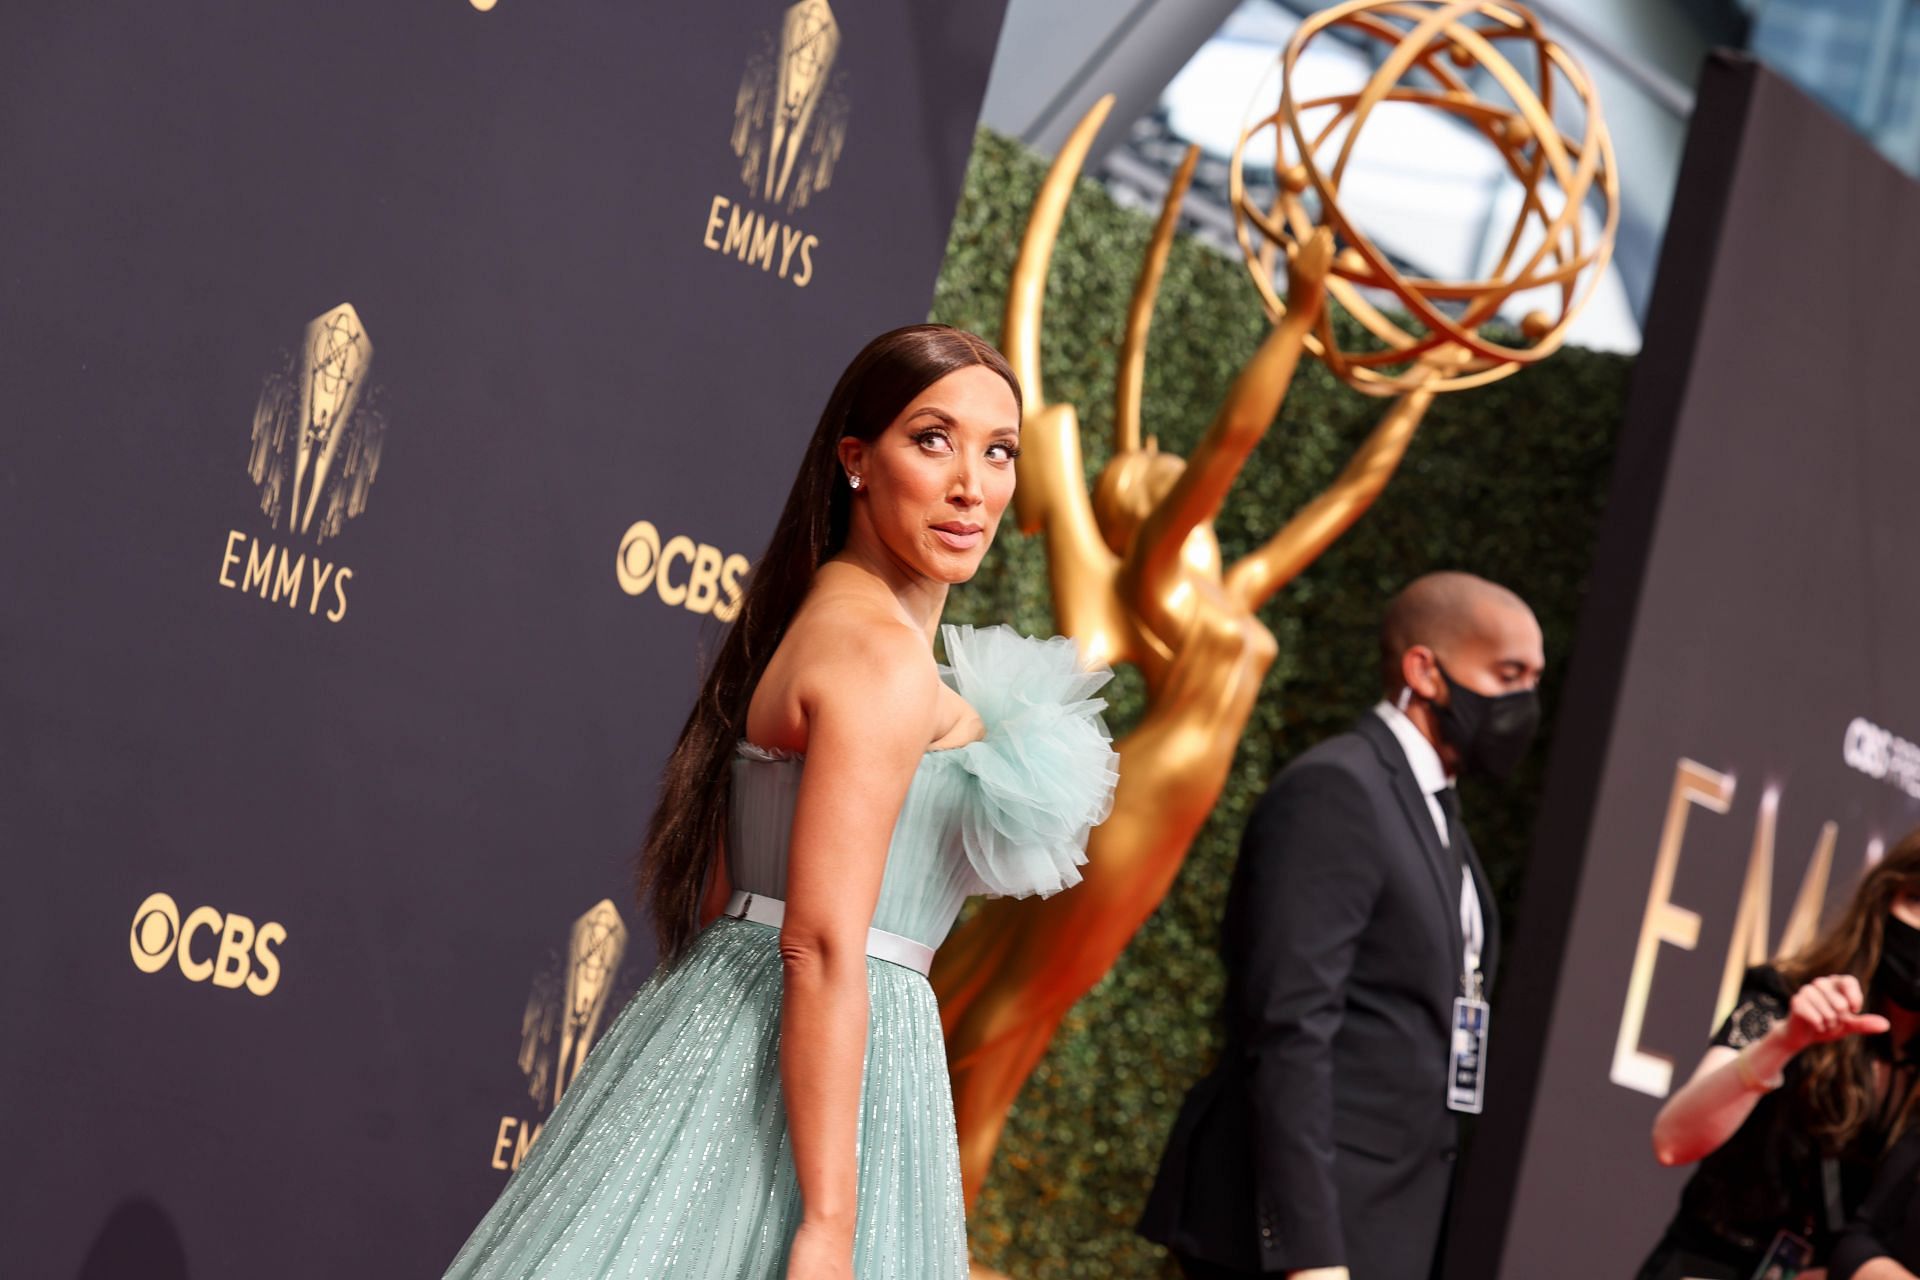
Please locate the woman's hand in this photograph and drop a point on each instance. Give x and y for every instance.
(1721, 1095)
(1828, 1009)
(820, 1253)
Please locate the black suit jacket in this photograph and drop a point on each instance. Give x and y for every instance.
(1322, 1137)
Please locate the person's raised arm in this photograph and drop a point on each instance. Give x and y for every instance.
(1712, 1106)
(870, 708)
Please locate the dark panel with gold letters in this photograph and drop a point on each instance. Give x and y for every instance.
(1737, 739)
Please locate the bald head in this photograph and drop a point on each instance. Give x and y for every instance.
(1456, 615)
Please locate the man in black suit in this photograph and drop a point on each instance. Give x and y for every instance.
(1359, 927)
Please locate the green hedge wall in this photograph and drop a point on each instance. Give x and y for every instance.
(1506, 481)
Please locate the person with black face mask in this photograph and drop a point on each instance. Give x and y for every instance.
(1360, 941)
(1806, 1083)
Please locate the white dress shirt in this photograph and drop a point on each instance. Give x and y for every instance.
(1431, 777)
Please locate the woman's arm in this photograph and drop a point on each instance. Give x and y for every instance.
(1713, 1105)
(870, 706)
(1727, 1083)
(1879, 1269)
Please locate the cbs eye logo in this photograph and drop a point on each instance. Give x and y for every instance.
(709, 582)
(242, 955)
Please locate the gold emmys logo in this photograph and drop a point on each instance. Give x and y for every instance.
(315, 452)
(244, 956)
(712, 580)
(1698, 789)
(789, 126)
(562, 1018)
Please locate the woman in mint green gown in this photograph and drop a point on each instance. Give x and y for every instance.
(774, 1102)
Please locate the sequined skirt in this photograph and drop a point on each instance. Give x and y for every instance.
(668, 1155)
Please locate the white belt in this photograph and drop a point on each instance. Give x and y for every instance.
(881, 945)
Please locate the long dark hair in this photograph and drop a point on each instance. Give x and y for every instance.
(1836, 1090)
(690, 822)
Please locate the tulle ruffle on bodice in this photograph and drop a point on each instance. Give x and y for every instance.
(1007, 815)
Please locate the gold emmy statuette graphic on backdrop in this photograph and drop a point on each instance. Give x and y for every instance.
(564, 1011)
(558, 1027)
(1136, 570)
(312, 437)
(789, 126)
(785, 107)
(599, 939)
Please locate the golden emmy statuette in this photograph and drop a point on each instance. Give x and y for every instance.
(1137, 573)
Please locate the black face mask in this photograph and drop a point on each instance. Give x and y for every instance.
(1898, 976)
(1491, 732)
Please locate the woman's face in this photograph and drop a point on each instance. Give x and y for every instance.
(934, 484)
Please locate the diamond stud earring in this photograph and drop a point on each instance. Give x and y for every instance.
(853, 482)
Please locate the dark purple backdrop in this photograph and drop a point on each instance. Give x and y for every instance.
(426, 793)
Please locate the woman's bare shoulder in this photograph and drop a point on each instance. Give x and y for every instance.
(846, 657)
(866, 642)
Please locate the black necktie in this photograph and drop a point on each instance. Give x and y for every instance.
(1449, 800)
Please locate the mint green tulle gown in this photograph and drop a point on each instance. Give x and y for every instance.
(668, 1156)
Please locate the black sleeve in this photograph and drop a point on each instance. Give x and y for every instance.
(1890, 1208)
(1762, 1002)
(1304, 887)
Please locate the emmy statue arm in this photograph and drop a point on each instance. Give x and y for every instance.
(1302, 894)
(1251, 406)
(870, 706)
(1316, 526)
